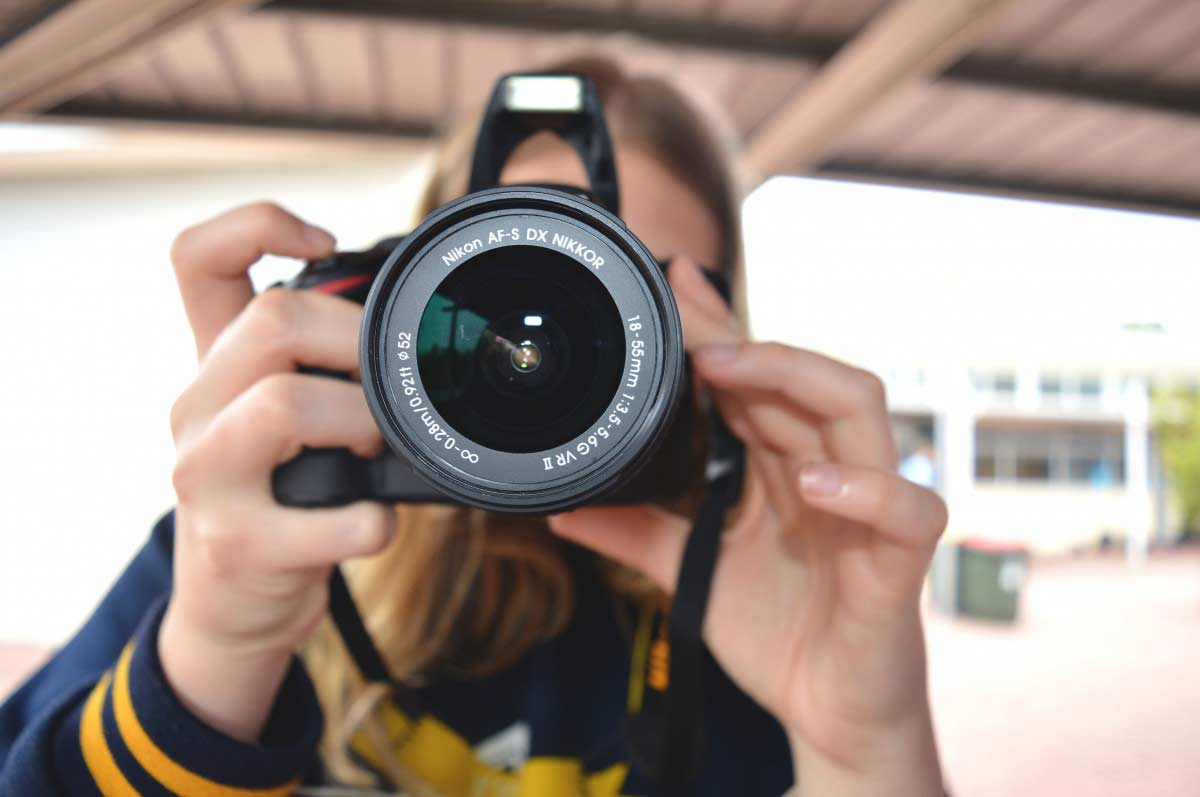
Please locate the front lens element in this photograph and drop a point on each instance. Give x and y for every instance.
(521, 349)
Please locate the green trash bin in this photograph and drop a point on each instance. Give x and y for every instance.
(990, 577)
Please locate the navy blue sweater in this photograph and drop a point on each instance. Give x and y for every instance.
(100, 719)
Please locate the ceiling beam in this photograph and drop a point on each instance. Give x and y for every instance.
(104, 113)
(1012, 187)
(909, 40)
(732, 39)
(562, 18)
(65, 52)
(145, 141)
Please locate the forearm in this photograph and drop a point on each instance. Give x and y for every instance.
(901, 760)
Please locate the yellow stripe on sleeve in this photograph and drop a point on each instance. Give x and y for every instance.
(171, 775)
(96, 755)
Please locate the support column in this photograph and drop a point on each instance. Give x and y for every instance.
(955, 433)
(1139, 508)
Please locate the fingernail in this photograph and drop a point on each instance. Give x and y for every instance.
(318, 237)
(719, 353)
(821, 480)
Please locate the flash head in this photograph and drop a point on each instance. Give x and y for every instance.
(568, 106)
(543, 93)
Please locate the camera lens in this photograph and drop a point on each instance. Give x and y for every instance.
(520, 349)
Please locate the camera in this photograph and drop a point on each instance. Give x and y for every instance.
(520, 350)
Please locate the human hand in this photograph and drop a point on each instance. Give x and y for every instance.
(250, 575)
(814, 605)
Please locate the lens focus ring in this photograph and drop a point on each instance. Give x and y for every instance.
(522, 350)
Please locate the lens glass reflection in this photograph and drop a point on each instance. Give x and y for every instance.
(521, 349)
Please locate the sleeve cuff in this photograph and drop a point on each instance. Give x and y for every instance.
(153, 737)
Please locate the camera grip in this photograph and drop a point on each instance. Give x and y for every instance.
(326, 477)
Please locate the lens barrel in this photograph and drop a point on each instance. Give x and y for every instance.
(522, 350)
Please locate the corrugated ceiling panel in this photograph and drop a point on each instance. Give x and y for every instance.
(195, 70)
(1069, 126)
(1185, 70)
(17, 12)
(1083, 37)
(1027, 22)
(776, 14)
(479, 56)
(263, 48)
(322, 68)
(137, 80)
(887, 122)
(840, 17)
(342, 77)
(954, 116)
(548, 49)
(1018, 118)
(1182, 172)
(412, 71)
(1157, 44)
(600, 5)
(1134, 147)
(672, 8)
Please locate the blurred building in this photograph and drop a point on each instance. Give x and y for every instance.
(1056, 458)
(1019, 357)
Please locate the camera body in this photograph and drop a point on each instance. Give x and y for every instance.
(520, 349)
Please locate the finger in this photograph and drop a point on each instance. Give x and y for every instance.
(702, 323)
(212, 258)
(269, 424)
(648, 539)
(778, 425)
(278, 331)
(851, 400)
(305, 538)
(756, 420)
(688, 280)
(905, 513)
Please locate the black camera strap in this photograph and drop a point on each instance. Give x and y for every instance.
(683, 723)
(665, 729)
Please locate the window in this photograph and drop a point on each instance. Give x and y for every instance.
(1066, 388)
(1068, 455)
(999, 385)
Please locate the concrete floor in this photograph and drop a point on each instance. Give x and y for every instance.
(1095, 692)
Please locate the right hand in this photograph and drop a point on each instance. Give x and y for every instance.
(250, 575)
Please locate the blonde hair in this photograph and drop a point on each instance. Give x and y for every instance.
(469, 592)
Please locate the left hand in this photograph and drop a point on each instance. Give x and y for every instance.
(814, 605)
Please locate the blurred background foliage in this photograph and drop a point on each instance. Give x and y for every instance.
(1177, 428)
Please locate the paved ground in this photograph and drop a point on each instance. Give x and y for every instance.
(1094, 693)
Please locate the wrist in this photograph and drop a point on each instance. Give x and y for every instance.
(899, 759)
(231, 688)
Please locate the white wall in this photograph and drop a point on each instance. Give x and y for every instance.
(1047, 518)
(95, 349)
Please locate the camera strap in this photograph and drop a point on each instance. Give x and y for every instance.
(665, 728)
(683, 734)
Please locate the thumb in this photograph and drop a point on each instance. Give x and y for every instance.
(646, 538)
